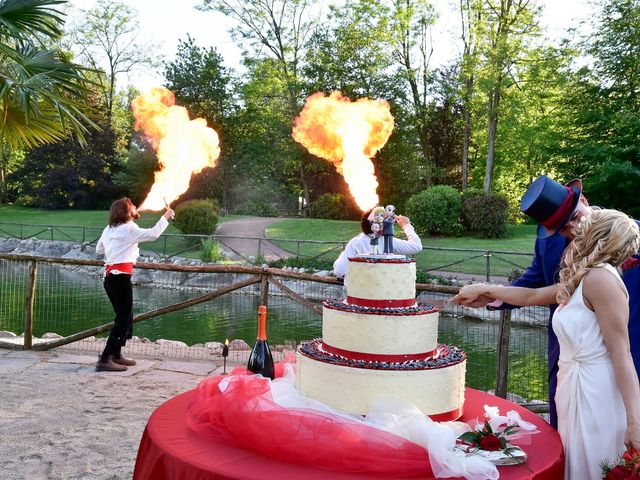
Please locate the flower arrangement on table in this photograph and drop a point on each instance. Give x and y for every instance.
(491, 437)
(626, 468)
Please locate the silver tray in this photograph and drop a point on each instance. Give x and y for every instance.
(497, 457)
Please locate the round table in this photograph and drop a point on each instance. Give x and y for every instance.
(170, 450)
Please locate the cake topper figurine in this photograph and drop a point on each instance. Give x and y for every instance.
(387, 228)
(375, 239)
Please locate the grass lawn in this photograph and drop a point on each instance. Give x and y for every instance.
(87, 225)
(519, 240)
(79, 225)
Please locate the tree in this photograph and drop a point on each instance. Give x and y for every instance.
(471, 22)
(606, 105)
(509, 24)
(410, 35)
(202, 84)
(68, 174)
(200, 81)
(42, 93)
(278, 30)
(109, 36)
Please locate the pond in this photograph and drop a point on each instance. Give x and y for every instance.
(69, 302)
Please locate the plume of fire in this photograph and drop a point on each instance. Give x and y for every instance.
(347, 134)
(184, 147)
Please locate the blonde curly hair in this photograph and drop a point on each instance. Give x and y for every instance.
(605, 236)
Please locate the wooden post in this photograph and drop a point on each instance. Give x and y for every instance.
(502, 352)
(488, 272)
(264, 289)
(29, 300)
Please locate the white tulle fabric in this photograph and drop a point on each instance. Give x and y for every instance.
(399, 418)
(591, 414)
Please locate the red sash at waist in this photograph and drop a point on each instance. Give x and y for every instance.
(121, 267)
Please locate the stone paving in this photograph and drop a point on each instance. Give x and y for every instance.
(60, 419)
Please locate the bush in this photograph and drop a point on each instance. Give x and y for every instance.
(301, 262)
(436, 210)
(260, 208)
(197, 216)
(425, 277)
(212, 252)
(485, 213)
(329, 205)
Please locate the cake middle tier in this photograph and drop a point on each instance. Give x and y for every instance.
(391, 334)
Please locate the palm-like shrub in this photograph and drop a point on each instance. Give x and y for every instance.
(42, 93)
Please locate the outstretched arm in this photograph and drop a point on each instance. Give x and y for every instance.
(520, 296)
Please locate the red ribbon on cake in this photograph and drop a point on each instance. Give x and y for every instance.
(376, 357)
(367, 302)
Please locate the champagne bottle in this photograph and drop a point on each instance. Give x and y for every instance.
(260, 360)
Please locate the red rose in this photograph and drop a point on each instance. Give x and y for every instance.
(617, 473)
(490, 443)
(630, 456)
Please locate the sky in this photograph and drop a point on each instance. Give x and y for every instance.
(164, 22)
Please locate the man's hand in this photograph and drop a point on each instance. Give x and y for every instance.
(402, 220)
(169, 213)
(474, 296)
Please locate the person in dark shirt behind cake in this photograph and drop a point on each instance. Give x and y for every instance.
(360, 243)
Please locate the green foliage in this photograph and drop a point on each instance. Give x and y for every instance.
(67, 175)
(329, 205)
(259, 208)
(605, 105)
(197, 216)
(485, 213)
(108, 36)
(425, 277)
(303, 262)
(199, 81)
(212, 252)
(436, 210)
(136, 172)
(613, 185)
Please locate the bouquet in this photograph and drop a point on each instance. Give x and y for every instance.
(494, 433)
(626, 467)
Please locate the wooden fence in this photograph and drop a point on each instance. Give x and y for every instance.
(266, 277)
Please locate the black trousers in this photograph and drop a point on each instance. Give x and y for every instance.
(120, 293)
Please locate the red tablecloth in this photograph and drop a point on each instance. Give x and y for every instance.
(170, 450)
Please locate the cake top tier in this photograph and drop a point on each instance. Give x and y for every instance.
(382, 259)
(381, 282)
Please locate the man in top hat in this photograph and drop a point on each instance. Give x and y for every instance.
(558, 209)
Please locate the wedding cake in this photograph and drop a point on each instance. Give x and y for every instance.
(379, 342)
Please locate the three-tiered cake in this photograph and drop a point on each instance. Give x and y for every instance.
(379, 342)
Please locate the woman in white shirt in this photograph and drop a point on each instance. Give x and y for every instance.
(119, 243)
(361, 243)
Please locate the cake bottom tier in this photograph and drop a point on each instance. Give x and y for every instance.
(435, 385)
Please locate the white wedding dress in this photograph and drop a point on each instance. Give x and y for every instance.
(591, 415)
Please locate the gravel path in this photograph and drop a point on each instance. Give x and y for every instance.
(246, 231)
(253, 227)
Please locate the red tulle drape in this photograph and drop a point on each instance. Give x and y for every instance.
(246, 416)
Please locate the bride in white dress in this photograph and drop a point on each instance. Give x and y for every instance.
(598, 397)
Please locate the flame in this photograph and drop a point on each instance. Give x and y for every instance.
(226, 341)
(184, 146)
(347, 134)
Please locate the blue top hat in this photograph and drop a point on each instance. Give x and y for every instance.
(551, 204)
